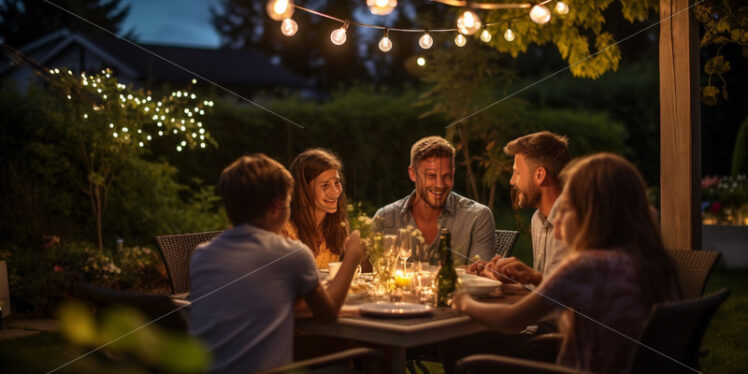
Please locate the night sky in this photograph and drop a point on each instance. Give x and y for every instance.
(178, 22)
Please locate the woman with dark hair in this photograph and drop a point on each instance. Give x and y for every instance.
(617, 269)
(318, 205)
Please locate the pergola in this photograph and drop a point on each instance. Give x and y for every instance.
(680, 127)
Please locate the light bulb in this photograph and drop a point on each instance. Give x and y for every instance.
(426, 41)
(485, 36)
(468, 23)
(280, 9)
(509, 35)
(562, 8)
(540, 14)
(289, 27)
(421, 61)
(460, 40)
(338, 36)
(381, 7)
(385, 44)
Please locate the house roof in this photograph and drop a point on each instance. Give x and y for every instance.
(231, 67)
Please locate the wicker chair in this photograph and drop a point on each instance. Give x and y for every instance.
(505, 240)
(693, 268)
(159, 308)
(674, 330)
(176, 251)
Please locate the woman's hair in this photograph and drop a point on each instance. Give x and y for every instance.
(304, 168)
(609, 197)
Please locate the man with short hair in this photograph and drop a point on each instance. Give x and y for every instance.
(538, 160)
(433, 206)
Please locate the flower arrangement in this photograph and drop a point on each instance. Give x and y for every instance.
(383, 250)
(725, 200)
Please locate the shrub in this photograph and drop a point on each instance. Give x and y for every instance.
(42, 277)
(740, 153)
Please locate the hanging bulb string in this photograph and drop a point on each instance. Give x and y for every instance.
(489, 6)
(421, 30)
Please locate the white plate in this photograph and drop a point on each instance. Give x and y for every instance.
(395, 310)
(478, 286)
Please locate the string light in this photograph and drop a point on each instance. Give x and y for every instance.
(289, 27)
(540, 14)
(485, 36)
(338, 36)
(460, 40)
(381, 7)
(509, 35)
(426, 41)
(468, 23)
(562, 7)
(385, 44)
(280, 9)
(421, 61)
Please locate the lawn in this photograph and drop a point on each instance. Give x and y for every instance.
(726, 340)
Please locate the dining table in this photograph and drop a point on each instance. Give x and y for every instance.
(396, 335)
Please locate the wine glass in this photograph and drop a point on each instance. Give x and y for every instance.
(405, 247)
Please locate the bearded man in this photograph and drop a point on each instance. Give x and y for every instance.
(538, 160)
(433, 206)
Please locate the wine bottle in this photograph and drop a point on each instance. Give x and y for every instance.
(446, 278)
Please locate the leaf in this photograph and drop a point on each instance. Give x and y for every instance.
(709, 95)
(717, 65)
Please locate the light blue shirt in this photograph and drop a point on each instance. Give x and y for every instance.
(257, 276)
(470, 224)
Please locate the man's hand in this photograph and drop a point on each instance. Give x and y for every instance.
(514, 269)
(476, 267)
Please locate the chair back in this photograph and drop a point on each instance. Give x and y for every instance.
(675, 330)
(176, 251)
(154, 307)
(505, 240)
(693, 269)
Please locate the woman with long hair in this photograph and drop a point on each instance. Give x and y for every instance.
(617, 269)
(318, 205)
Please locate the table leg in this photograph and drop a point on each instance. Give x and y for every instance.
(395, 359)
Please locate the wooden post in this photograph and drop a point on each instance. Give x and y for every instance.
(680, 127)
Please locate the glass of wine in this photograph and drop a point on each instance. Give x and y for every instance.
(405, 247)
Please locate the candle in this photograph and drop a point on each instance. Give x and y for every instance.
(403, 279)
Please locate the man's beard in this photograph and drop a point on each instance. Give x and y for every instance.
(524, 200)
(426, 195)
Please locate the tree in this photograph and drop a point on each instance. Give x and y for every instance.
(725, 23)
(107, 123)
(23, 21)
(578, 35)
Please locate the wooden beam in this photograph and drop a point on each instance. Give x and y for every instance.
(680, 127)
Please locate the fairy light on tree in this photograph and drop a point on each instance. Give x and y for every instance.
(119, 124)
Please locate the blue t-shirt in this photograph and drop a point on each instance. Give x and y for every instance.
(243, 286)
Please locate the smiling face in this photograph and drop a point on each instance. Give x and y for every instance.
(566, 222)
(523, 181)
(434, 178)
(327, 189)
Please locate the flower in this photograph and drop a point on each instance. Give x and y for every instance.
(715, 208)
(709, 181)
(58, 269)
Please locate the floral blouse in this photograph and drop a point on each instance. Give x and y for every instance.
(324, 256)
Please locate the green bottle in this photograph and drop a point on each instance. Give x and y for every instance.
(446, 279)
